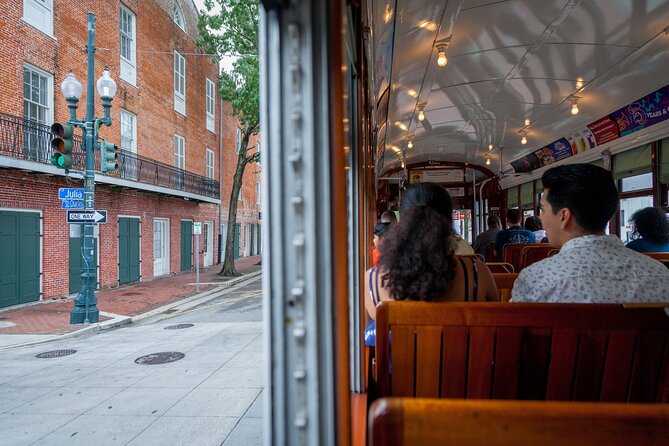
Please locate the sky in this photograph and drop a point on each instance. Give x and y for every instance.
(226, 61)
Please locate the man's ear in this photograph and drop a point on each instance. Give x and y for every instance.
(566, 218)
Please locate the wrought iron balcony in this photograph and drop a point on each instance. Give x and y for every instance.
(26, 139)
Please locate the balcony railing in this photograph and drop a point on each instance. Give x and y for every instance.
(26, 139)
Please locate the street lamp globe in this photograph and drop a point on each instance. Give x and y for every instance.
(106, 85)
(71, 87)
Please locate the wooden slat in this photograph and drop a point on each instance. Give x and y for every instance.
(481, 348)
(564, 346)
(590, 365)
(533, 373)
(646, 368)
(663, 387)
(507, 363)
(382, 351)
(358, 419)
(428, 361)
(385, 425)
(454, 362)
(403, 360)
(618, 366)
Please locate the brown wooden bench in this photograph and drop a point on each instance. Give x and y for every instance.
(500, 267)
(504, 283)
(660, 257)
(512, 253)
(533, 253)
(579, 352)
(431, 422)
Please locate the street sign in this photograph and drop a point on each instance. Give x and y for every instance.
(87, 216)
(72, 204)
(197, 228)
(70, 193)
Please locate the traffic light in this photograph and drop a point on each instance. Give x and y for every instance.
(108, 156)
(62, 144)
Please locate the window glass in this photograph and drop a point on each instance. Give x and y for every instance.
(209, 90)
(128, 132)
(210, 164)
(179, 152)
(238, 140)
(178, 16)
(127, 45)
(637, 182)
(179, 83)
(39, 13)
(37, 107)
(629, 206)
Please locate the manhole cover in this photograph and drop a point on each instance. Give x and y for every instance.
(170, 311)
(178, 326)
(55, 353)
(159, 358)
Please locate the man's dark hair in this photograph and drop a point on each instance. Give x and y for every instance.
(380, 229)
(388, 217)
(533, 223)
(587, 190)
(652, 224)
(513, 216)
(493, 220)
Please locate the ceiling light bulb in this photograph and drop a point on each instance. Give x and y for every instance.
(442, 60)
(527, 121)
(523, 140)
(487, 161)
(410, 144)
(421, 116)
(574, 108)
(579, 82)
(490, 146)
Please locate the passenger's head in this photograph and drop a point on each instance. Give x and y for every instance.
(417, 256)
(513, 217)
(578, 199)
(494, 222)
(652, 224)
(533, 223)
(380, 230)
(388, 217)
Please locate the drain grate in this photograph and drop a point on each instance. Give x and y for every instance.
(159, 358)
(55, 353)
(170, 311)
(178, 326)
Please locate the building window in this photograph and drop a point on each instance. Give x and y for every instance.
(39, 13)
(179, 83)
(179, 152)
(128, 48)
(210, 105)
(238, 140)
(37, 107)
(210, 164)
(179, 16)
(258, 192)
(128, 131)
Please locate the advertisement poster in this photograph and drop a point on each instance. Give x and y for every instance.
(604, 130)
(643, 113)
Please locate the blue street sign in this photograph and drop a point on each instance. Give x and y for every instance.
(70, 193)
(72, 204)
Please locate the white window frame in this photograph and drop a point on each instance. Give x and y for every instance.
(258, 192)
(179, 16)
(179, 152)
(209, 159)
(49, 93)
(179, 83)
(238, 140)
(39, 14)
(128, 65)
(210, 95)
(133, 120)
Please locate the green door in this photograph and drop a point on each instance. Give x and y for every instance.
(253, 232)
(76, 243)
(186, 245)
(259, 237)
(237, 234)
(19, 264)
(128, 250)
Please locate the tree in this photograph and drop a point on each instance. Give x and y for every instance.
(233, 31)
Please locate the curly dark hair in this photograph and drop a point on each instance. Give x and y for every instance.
(533, 223)
(652, 224)
(417, 256)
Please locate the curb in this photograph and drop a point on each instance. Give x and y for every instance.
(119, 320)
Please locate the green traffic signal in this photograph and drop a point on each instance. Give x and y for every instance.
(62, 145)
(108, 156)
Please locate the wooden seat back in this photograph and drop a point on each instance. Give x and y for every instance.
(579, 352)
(512, 252)
(500, 267)
(504, 283)
(660, 257)
(533, 253)
(431, 422)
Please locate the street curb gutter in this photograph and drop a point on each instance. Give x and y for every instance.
(119, 320)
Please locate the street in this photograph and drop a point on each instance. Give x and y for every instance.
(105, 393)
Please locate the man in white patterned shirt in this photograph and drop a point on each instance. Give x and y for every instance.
(577, 202)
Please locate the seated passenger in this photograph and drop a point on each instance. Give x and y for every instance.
(414, 264)
(462, 247)
(653, 227)
(487, 237)
(388, 217)
(514, 234)
(380, 230)
(534, 224)
(577, 202)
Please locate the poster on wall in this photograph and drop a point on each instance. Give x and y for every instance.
(643, 113)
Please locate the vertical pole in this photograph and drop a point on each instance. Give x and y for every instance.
(85, 305)
(197, 262)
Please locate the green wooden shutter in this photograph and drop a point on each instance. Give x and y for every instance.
(237, 237)
(186, 245)
(19, 265)
(128, 250)
(253, 233)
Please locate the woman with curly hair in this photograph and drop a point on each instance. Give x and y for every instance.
(418, 260)
(653, 227)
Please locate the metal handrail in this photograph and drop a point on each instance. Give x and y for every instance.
(26, 139)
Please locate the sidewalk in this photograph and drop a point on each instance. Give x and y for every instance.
(52, 317)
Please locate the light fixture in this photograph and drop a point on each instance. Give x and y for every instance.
(71, 87)
(574, 106)
(410, 144)
(490, 146)
(579, 83)
(442, 60)
(106, 85)
(527, 122)
(411, 92)
(421, 113)
(401, 125)
(523, 140)
(487, 161)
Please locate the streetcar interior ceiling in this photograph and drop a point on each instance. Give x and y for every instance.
(507, 62)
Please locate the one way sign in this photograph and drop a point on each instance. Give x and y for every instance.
(87, 216)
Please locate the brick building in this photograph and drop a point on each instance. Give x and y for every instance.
(167, 120)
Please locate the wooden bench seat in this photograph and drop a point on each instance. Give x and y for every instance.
(579, 352)
(431, 422)
(504, 283)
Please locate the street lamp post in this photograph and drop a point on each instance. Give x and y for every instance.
(85, 304)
